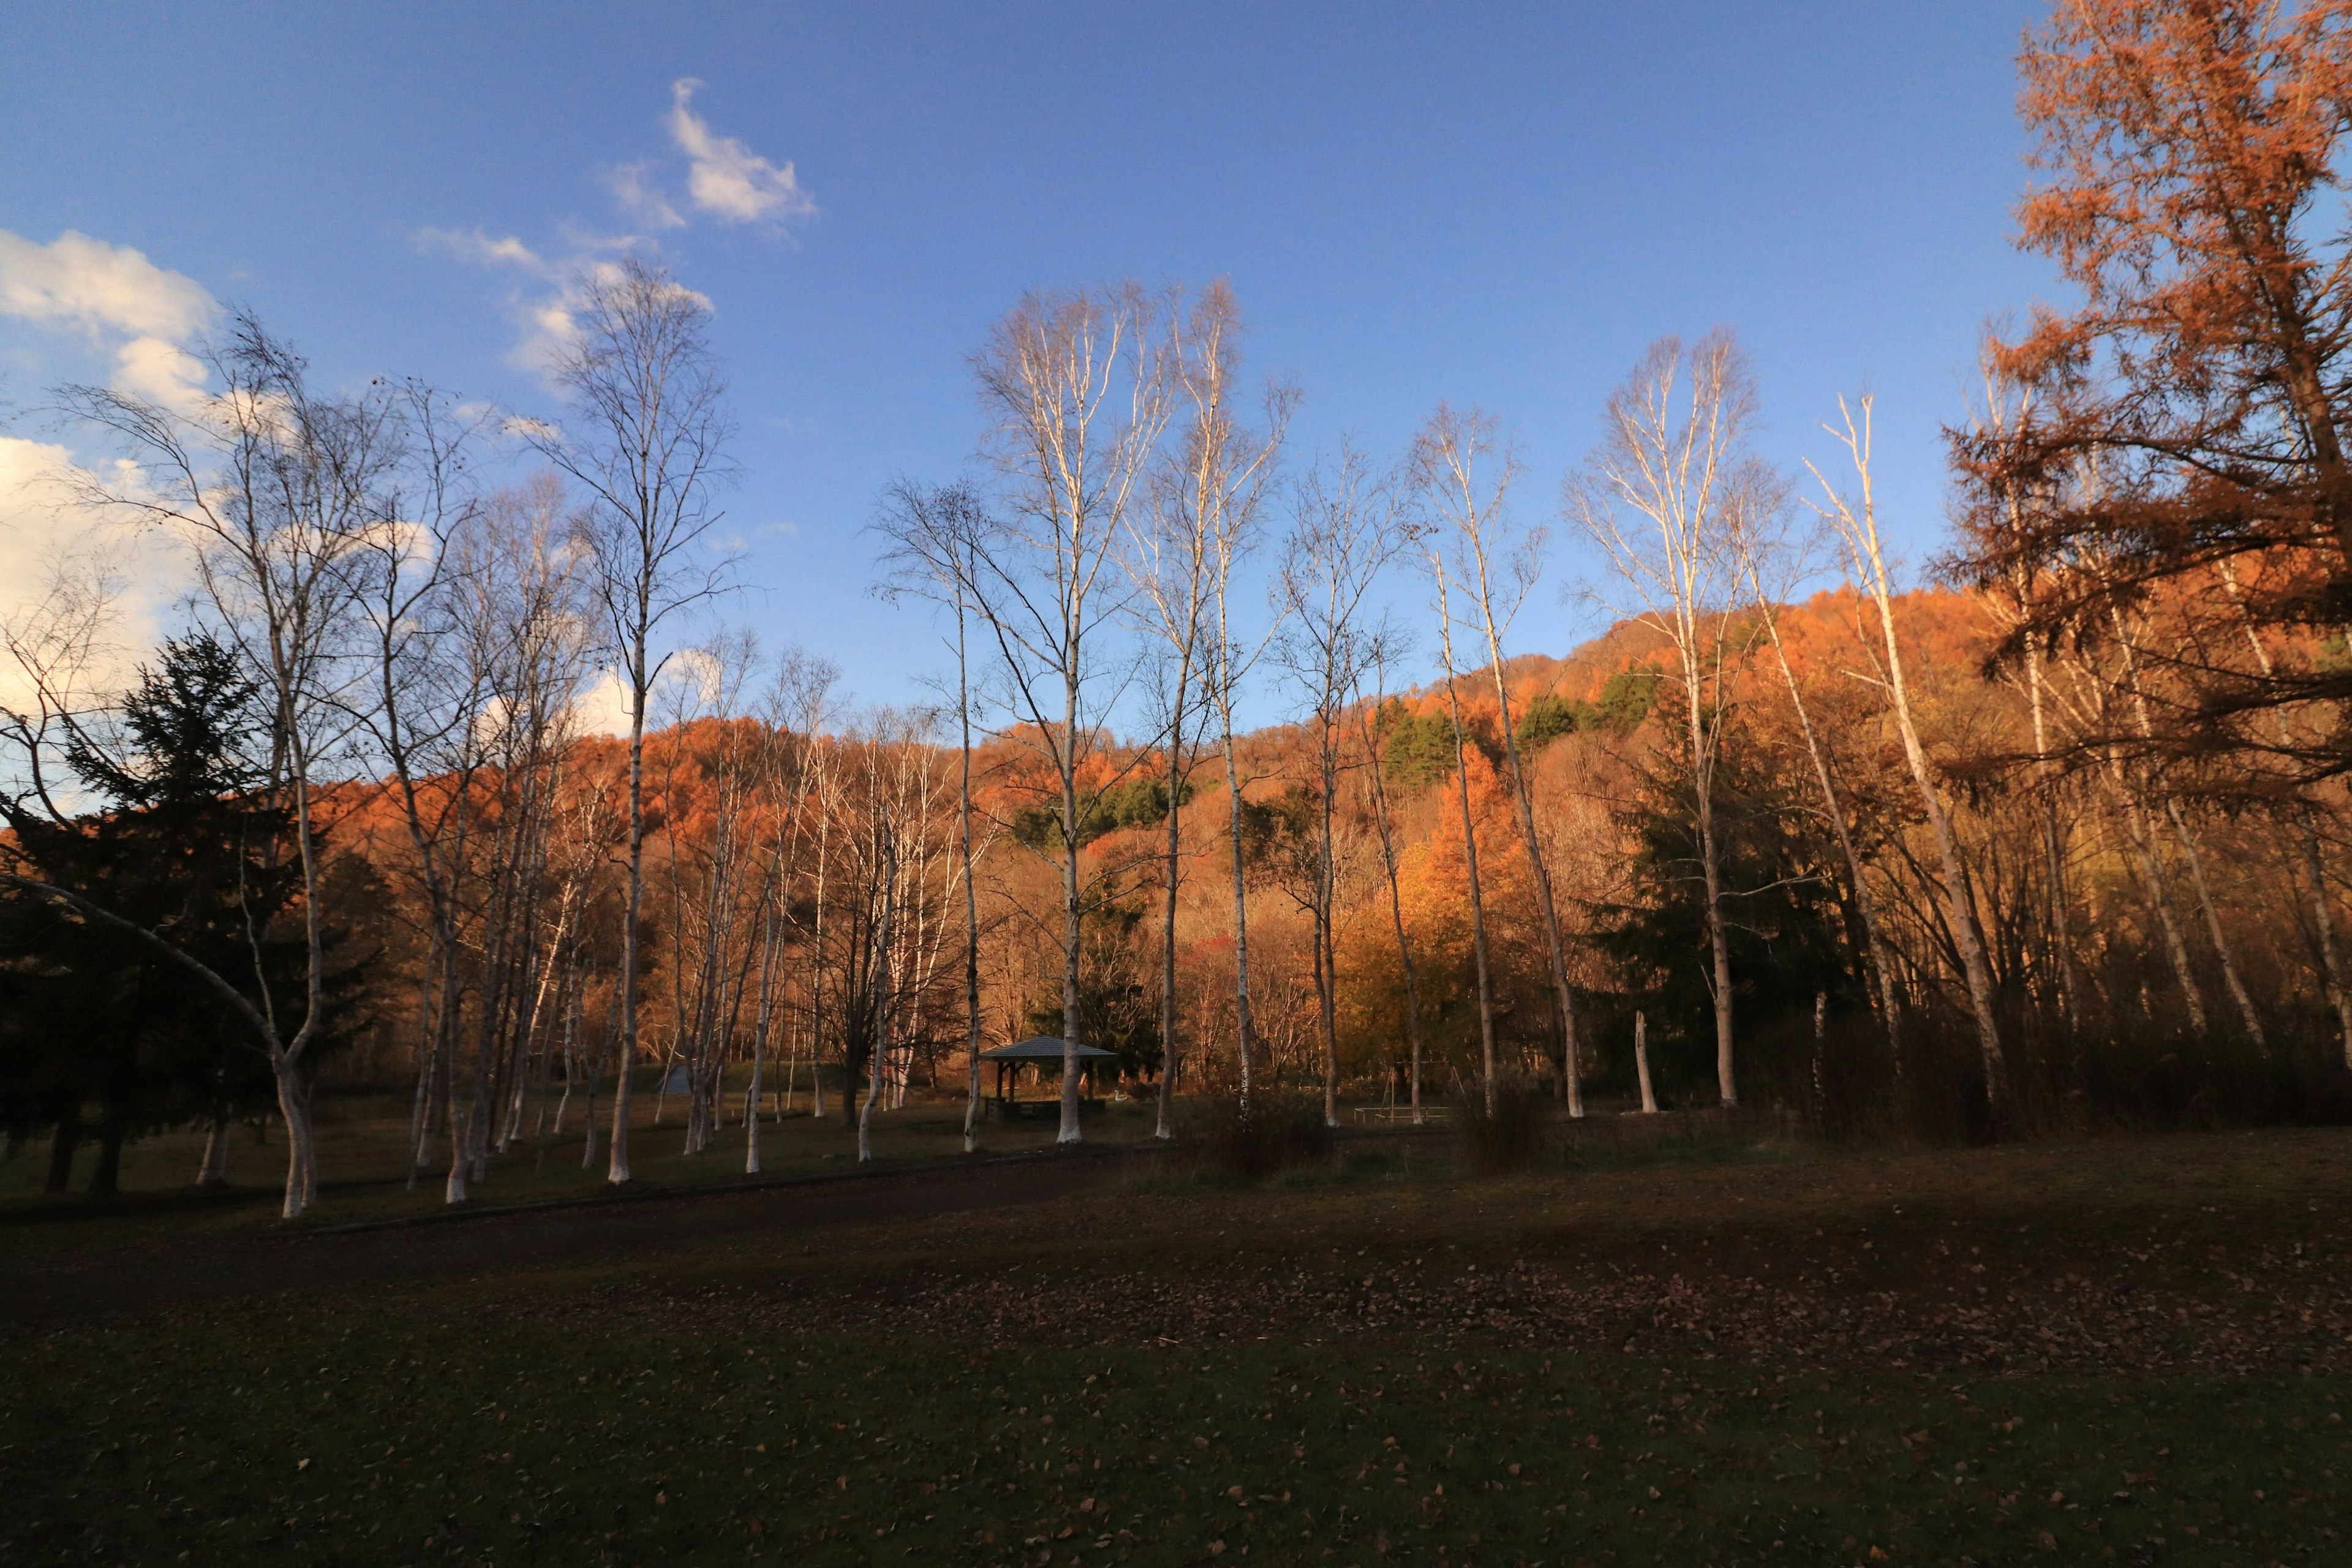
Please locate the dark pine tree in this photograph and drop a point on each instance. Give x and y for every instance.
(100, 1035)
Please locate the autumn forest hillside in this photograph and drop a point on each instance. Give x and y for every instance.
(2122, 931)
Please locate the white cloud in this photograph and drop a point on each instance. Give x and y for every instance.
(688, 684)
(724, 177)
(548, 330)
(474, 245)
(604, 708)
(160, 373)
(46, 539)
(77, 281)
(634, 188)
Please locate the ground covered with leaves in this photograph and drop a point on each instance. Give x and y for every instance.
(2132, 1352)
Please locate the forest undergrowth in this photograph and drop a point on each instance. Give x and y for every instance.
(2054, 1353)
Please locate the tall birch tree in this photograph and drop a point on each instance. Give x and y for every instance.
(1465, 473)
(1345, 532)
(1662, 499)
(1076, 395)
(1221, 472)
(645, 440)
(1857, 523)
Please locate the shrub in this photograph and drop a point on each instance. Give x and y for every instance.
(1510, 1139)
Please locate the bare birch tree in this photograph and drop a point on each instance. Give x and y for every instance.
(795, 711)
(277, 488)
(1219, 475)
(1347, 529)
(1662, 497)
(1433, 553)
(932, 534)
(1172, 559)
(1857, 524)
(1076, 399)
(1464, 473)
(1757, 555)
(647, 443)
(1378, 658)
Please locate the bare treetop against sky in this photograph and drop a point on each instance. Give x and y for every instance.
(1498, 208)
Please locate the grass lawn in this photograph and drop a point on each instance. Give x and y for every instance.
(2128, 1351)
(363, 1157)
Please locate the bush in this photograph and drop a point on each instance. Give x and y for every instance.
(1281, 1131)
(1511, 1138)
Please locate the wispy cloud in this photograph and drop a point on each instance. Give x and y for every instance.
(724, 177)
(77, 281)
(633, 186)
(724, 180)
(482, 248)
(103, 292)
(59, 558)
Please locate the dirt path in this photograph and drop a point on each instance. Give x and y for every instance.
(58, 1285)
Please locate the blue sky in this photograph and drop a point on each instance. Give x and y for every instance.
(1494, 204)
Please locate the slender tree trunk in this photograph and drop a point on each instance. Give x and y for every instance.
(106, 1175)
(1245, 1029)
(1862, 539)
(2339, 996)
(301, 1152)
(1396, 916)
(1820, 1041)
(816, 971)
(2230, 977)
(425, 1057)
(1555, 949)
(1469, 850)
(1865, 904)
(879, 1009)
(617, 1172)
(1642, 1063)
(2331, 965)
(461, 1143)
(63, 1144)
(1959, 910)
(971, 1035)
(1326, 893)
(759, 1038)
(2053, 848)
(212, 1170)
(1718, 936)
(1164, 1127)
(2146, 861)
(1072, 907)
(2213, 928)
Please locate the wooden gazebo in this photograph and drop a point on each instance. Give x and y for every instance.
(1038, 1049)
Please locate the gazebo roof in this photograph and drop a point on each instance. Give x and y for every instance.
(1044, 1048)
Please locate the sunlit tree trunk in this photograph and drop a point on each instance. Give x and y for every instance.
(1396, 908)
(1469, 841)
(1244, 1031)
(1882, 967)
(2306, 814)
(1673, 454)
(1859, 529)
(1447, 458)
(2231, 979)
